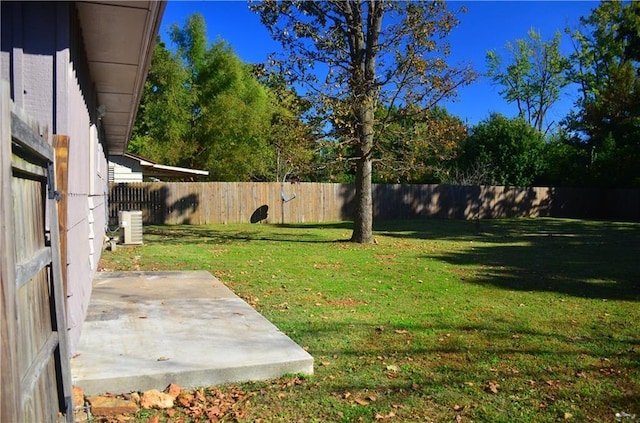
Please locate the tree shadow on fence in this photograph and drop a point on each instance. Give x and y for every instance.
(401, 201)
(347, 193)
(260, 214)
(153, 201)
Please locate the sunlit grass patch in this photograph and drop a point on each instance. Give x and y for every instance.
(509, 320)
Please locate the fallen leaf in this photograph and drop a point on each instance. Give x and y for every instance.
(492, 387)
(553, 383)
(154, 419)
(360, 401)
(346, 395)
(185, 399)
(173, 390)
(214, 412)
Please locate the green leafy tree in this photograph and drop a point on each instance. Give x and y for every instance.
(292, 139)
(234, 115)
(416, 145)
(607, 70)
(369, 53)
(566, 161)
(507, 151)
(532, 77)
(164, 115)
(202, 107)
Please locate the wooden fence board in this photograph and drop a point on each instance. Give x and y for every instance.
(61, 150)
(10, 409)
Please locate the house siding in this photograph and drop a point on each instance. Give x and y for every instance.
(45, 61)
(125, 169)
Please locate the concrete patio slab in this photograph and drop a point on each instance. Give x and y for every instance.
(145, 330)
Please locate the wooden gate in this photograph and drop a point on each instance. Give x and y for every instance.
(36, 377)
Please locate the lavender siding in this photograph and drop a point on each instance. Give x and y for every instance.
(43, 57)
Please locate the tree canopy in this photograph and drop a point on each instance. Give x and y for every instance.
(370, 53)
(203, 107)
(508, 151)
(607, 70)
(354, 97)
(533, 77)
(416, 145)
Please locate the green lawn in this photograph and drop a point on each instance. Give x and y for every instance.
(440, 320)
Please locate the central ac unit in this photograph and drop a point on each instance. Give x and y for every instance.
(130, 227)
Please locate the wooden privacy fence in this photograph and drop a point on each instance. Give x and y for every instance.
(234, 202)
(231, 202)
(36, 377)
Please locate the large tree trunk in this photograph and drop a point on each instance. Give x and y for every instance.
(364, 32)
(363, 218)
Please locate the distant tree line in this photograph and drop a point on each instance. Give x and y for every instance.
(374, 116)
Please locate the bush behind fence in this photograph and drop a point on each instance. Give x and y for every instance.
(235, 202)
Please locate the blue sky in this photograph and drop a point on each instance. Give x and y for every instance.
(487, 25)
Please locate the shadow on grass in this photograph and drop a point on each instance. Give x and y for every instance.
(589, 259)
(486, 339)
(478, 353)
(180, 235)
(581, 259)
(586, 259)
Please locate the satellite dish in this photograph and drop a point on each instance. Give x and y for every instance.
(284, 197)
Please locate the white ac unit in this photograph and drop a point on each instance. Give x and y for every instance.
(130, 227)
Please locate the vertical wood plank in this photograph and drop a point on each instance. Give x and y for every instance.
(10, 410)
(61, 147)
(60, 326)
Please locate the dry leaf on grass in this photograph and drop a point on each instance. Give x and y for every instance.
(492, 387)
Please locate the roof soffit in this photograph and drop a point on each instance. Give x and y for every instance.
(119, 37)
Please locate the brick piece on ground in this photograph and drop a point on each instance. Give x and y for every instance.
(156, 399)
(111, 406)
(78, 396)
